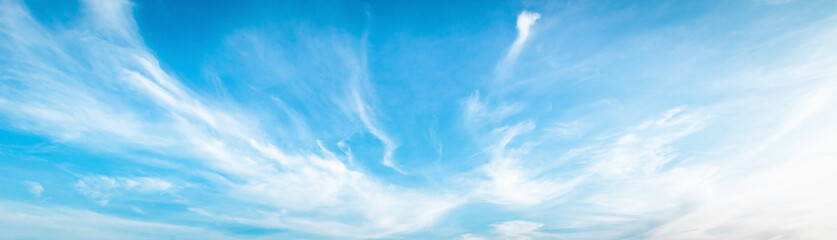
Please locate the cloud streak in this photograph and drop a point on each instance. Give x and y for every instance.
(103, 188)
(20, 221)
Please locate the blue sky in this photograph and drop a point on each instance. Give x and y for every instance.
(418, 120)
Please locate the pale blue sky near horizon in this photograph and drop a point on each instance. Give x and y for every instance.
(154, 119)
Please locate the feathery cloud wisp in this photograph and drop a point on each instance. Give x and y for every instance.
(525, 20)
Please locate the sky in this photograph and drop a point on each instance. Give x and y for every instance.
(155, 119)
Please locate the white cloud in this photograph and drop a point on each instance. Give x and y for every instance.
(635, 174)
(24, 221)
(372, 125)
(364, 111)
(104, 188)
(525, 20)
(512, 182)
(94, 105)
(35, 188)
(780, 187)
(481, 112)
(146, 184)
(113, 18)
(750, 167)
(645, 149)
(516, 230)
(469, 236)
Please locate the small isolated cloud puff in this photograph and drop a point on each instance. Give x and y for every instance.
(35, 188)
(525, 20)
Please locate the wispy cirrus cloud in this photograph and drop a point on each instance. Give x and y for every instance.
(511, 181)
(667, 176)
(103, 188)
(106, 102)
(481, 112)
(622, 126)
(363, 110)
(21, 220)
